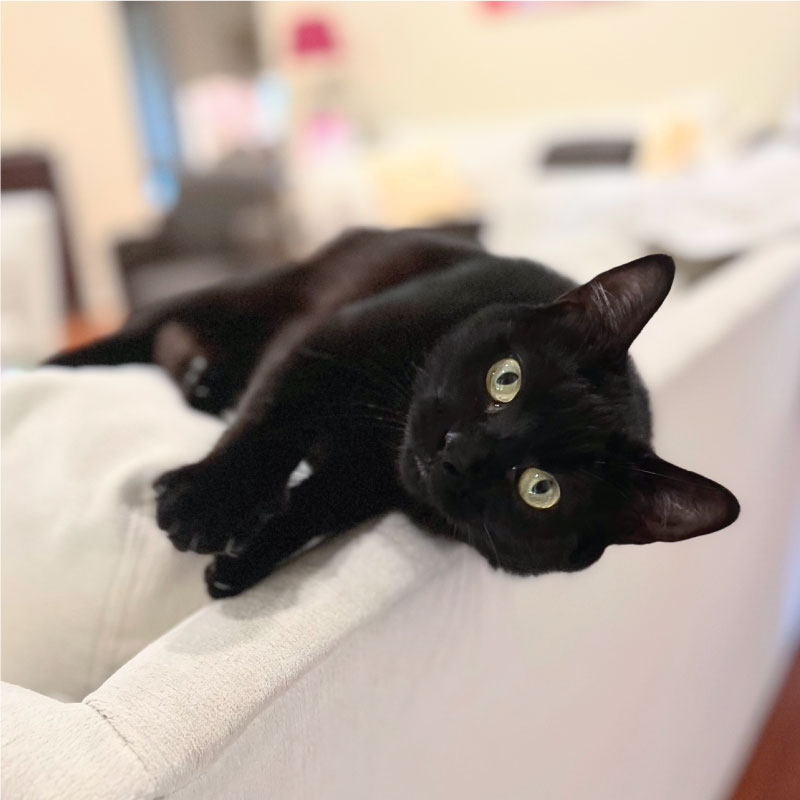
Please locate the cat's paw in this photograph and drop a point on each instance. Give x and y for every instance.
(201, 512)
(185, 510)
(227, 576)
(204, 511)
(204, 386)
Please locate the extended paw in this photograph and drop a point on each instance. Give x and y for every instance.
(202, 511)
(184, 510)
(237, 569)
(227, 576)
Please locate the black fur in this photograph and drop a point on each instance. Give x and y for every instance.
(385, 396)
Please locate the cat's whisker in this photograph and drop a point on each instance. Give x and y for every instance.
(386, 409)
(626, 464)
(385, 413)
(686, 481)
(457, 533)
(379, 372)
(404, 364)
(491, 542)
(391, 379)
(395, 424)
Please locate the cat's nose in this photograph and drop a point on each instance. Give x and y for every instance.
(455, 461)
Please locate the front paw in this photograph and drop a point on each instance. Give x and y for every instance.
(196, 510)
(201, 509)
(270, 545)
(227, 576)
(184, 511)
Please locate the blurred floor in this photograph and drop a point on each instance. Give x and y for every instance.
(773, 772)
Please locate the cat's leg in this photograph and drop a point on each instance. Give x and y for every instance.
(130, 345)
(210, 340)
(203, 506)
(212, 346)
(211, 371)
(208, 345)
(333, 500)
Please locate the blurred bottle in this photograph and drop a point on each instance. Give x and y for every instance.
(324, 125)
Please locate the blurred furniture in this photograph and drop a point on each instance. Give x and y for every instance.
(390, 664)
(225, 222)
(38, 278)
(590, 153)
(32, 171)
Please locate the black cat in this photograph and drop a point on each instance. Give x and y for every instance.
(491, 399)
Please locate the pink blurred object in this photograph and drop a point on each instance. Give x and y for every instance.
(328, 131)
(313, 36)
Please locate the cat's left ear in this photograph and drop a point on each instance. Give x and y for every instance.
(669, 504)
(617, 304)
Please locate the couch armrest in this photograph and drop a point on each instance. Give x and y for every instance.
(181, 701)
(56, 751)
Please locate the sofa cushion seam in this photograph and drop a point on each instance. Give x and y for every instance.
(127, 745)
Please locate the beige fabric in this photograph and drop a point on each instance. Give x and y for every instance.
(87, 578)
(65, 750)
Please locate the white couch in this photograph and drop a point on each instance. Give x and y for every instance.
(390, 664)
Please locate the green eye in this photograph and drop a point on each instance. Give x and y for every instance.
(503, 380)
(539, 489)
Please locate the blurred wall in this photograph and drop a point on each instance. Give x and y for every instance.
(66, 89)
(438, 60)
(209, 37)
(66, 83)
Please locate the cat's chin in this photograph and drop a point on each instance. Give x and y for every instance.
(416, 475)
(524, 561)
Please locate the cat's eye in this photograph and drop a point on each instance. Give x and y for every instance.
(539, 489)
(503, 380)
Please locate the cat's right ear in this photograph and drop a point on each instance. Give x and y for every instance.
(615, 306)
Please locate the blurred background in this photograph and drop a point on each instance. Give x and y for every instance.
(150, 148)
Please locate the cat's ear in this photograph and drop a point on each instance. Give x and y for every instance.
(616, 305)
(669, 504)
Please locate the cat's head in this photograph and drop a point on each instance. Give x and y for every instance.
(529, 431)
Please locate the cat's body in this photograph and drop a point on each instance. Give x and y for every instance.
(389, 397)
(229, 328)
